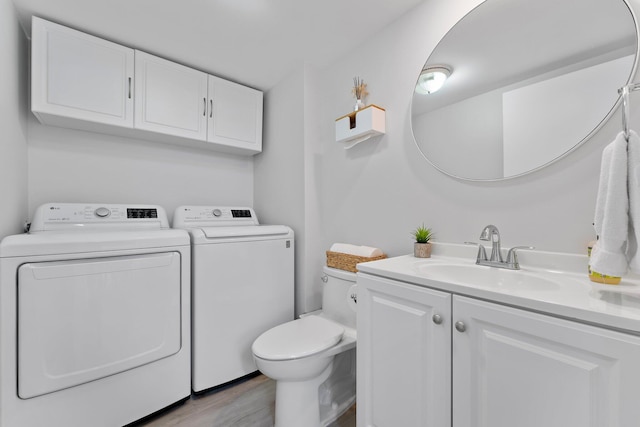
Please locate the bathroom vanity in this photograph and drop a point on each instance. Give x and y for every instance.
(445, 342)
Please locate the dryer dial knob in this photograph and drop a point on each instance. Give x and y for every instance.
(217, 212)
(102, 212)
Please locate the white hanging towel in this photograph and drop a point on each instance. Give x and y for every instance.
(611, 222)
(633, 181)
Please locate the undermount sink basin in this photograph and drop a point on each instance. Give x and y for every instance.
(488, 277)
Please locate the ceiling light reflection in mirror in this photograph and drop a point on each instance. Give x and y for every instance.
(432, 79)
(532, 80)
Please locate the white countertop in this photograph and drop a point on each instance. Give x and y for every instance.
(556, 284)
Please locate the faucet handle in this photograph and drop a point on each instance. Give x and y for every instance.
(482, 253)
(512, 256)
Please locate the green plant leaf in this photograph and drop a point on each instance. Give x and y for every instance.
(422, 234)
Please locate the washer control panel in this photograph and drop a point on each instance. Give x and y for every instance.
(142, 213)
(212, 216)
(55, 216)
(102, 212)
(241, 213)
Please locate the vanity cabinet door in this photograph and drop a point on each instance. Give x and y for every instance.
(234, 116)
(78, 78)
(171, 99)
(516, 368)
(404, 356)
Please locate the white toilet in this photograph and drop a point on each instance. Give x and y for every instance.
(313, 359)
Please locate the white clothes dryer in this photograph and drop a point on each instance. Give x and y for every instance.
(242, 285)
(95, 315)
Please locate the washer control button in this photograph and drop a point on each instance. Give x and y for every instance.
(217, 212)
(102, 212)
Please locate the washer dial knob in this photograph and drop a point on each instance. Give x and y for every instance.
(217, 212)
(102, 212)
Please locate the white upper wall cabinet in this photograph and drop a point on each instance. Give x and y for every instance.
(84, 82)
(170, 98)
(75, 75)
(235, 115)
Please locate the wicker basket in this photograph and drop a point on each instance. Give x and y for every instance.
(348, 262)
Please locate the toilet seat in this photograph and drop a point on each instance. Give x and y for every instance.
(298, 338)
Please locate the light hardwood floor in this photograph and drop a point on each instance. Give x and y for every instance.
(248, 404)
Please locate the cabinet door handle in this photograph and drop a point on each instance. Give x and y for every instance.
(129, 87)
(437, 319)
(461, 327)
(204, 113)
(211, 108)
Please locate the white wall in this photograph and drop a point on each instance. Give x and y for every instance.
(279, 169)
(315, 257)
(376, 193)
(286, 181)
(67, 165)
(13, 112)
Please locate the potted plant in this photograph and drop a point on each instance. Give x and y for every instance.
(422, 247)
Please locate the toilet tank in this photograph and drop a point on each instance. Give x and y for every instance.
(337, 303)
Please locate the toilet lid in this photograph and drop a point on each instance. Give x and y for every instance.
(298, 338)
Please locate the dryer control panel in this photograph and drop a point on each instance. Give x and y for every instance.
(212, 216)
(65, 216)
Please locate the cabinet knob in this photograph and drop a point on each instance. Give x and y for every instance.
(461, 327)
(437, 319)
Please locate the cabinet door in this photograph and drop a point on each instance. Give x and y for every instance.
(404, 357)
(516, 368)
(78, 76)
(235, 115)
(170, 98)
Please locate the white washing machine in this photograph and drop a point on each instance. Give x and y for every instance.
(95, 317)
(242, 285)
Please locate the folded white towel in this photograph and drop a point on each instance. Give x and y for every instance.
(363, 251)
(612, 211)
(369, 251)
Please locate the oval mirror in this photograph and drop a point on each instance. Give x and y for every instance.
(529, 82)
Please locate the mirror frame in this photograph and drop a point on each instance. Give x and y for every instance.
(605, 120)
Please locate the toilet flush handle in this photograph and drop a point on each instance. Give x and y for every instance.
(325, 278)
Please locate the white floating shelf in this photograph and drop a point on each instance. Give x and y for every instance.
(360, 125)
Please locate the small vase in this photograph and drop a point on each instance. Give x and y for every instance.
(422, 250)
(359, 105)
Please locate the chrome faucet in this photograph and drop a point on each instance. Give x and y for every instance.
(491, 233)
